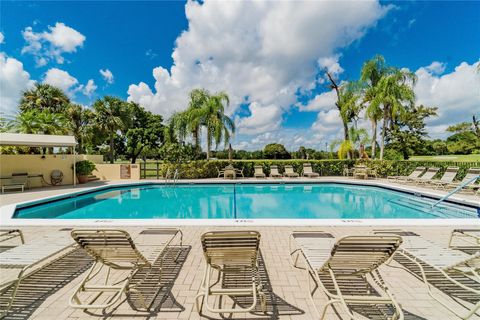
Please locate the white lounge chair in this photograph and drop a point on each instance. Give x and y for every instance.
(234, 252)
(342, 268)
(447, 178)
(17, 182)
(308, 171)
(289, 172)
(469, 176)
(425, 178)
(274, 172)
(258, 172)
(413, 175)
(426, 254)
(465, 239)
(115, 249)
(18, 263)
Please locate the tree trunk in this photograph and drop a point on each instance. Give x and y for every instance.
(112, 146)
(384, 130)
(346, 137)
(209, 144)
(374, 138)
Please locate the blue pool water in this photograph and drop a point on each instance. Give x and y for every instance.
(244, 201)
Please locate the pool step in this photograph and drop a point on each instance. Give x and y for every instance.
(443, 210)
(93, 178)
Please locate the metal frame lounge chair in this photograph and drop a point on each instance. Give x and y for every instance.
(18, 181)
(341, 267)
(471, 174)
(258, 172)
(447, 178)
(7, 234)
(426, 254)
(413, 175)
(470, 239)
(18, 263)
(274, 172)
(230, 251)
(115, 249)
(289, 172)
(425, 178)
(308, 171)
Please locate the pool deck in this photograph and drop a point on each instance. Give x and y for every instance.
(285, 285)
(287, 296)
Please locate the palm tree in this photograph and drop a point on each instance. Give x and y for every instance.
(79, 123)
(392, 93)
(44, 97)
(372, 71)
(212, 115)
(111, 115)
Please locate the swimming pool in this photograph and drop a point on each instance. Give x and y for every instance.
(244, 201)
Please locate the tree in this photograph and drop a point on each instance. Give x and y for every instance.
(393, 93)
(275, 151)
(111, 115)
(407, 131)
(80, 121)
(44, 97)
(212, 115)
(146, 131)
(372, 72)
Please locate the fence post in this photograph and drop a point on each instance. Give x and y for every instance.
(158, 173)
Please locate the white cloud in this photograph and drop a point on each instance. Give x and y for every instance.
(2, 38)
(323, 101)
(256, 55)
(13, 81)
(331, 64)
(89, 88)
(107, 75)
(456, 94)
(436, 67)
(61, 79)
(52, 44)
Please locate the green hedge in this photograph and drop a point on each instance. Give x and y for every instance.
(208, 169)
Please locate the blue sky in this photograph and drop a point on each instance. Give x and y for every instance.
(268, 56)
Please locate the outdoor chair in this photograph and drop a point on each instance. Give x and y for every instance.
(18, 263)
(427, 255)
(470, 187)
(7, 234)
(469, 239)
(56, 177)
(258, 172)
(425, 178)
(274, 172)
(413, 175)
(308, 171)
(289, 172)
(360, 172)
(18, 182)
(228, 252)
(342, 268)
(115, 249)
(447, 178)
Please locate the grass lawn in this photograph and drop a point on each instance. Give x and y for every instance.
(451, 157)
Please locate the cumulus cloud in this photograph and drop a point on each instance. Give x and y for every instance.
(89, 88)
(14, 80)
(52, 44)
(107, 75)
(322, 101)
(266, 56)
(68, 83)
(456, 94)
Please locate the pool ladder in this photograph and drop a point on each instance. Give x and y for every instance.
(460, 187)
(176, 175)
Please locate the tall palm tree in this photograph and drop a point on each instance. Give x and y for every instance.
(44, 97)
(212, 115)
(392, 93)
(111, 115)
(372, 72)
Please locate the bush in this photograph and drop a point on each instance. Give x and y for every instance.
(209, 169)
(84, 168)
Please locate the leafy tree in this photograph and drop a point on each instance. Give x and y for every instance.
(44, 97)
(460, 127)
(407, 131)
(80, 121)
(393, 93)
(111, 115)
(146, 131)
(275, 151)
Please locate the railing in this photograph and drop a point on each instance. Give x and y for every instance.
(461, 186)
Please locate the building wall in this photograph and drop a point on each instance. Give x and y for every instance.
(35, 164)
